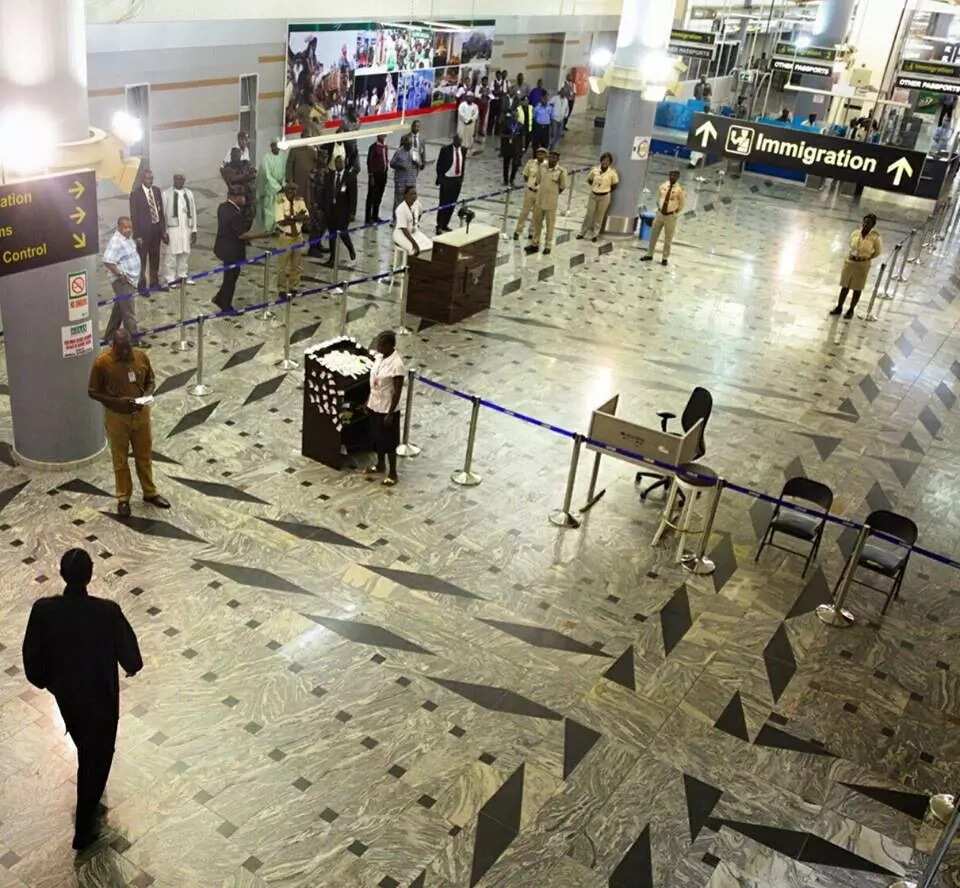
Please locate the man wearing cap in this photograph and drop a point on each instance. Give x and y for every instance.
(531, 178)
(553, 182)
(291, 214)
(72, 647)
(670, 201)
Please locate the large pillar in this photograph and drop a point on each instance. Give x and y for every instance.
(640, 57)
(43, 66)
(830, 28)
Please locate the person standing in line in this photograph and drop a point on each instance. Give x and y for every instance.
(703, 92)
(602, 179)
(405, 169)
(670, 201)
(72, 647)
(517, 146)
(378, 164)
(269, 185)
(341, 195)
(467, 115)
(451, 165)
(570, 93)
(122, 260)
(558, 116)
(497, 91)
(542, 120)
(180, 211)
(536, 94)
(291, 213)
(318, 206)
(553, 182)
(243, 146)
(522, 89)
(383, 405)
(484, 121)
(230, 245)
(239, 176)
(531, 178)
(524, 115)
(301, 160)
(149, 227)
(418, 146)
(121, 379)
(865, 246)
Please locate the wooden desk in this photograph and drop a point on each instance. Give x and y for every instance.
(455, 280)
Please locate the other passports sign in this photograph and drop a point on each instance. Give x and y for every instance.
(874, 166)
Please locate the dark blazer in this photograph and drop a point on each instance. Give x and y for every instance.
(445, 161)
(231, 223)
(140, 211)
(339, 203)
(72, 647)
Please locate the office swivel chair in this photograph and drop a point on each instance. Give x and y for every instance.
(699, 406)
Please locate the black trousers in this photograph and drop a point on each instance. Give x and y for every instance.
(386, 438)
(511, 162)
(149, 250)
(224, 297)
(541, 135)
(449, 194)
(94, 758)
(493, 118)
(346, 241)
(375, 189)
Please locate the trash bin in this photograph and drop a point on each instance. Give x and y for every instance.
(646, 223)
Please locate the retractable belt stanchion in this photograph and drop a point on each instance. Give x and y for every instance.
(870, 316)
(336, 265)
(200, 388)
(699, 563)
(406, 448)
(573, 182)
(936, 856)
(506, 212)
(592, 495)
(886, 294)
(834, 614)
(287, 363)
(403, 329)
(921, 234)
(465, 477)
(906, 255)
(183, 344)
(562, 517)
(266, 314)
(343, 307)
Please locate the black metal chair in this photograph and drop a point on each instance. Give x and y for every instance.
(887, 558)
(699, 406)
(799, 526)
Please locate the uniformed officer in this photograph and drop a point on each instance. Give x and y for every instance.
(72, 647)
(603, 180)
(553, 182)
(531, 179)
(670, 200)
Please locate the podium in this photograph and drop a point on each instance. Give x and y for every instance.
(455, 280)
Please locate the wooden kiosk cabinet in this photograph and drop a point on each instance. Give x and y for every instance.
(336, 385)
(455, 279)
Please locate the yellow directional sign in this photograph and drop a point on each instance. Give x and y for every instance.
(47, 220)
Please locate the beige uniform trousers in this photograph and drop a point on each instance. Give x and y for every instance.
(289, 265)
(666, 224)
(597, 206)
(539, 214)
(529, 205)
(123, 431)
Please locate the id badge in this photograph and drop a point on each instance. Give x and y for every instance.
(131, 376)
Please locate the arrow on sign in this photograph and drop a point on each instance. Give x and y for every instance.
(79, 216)
(899, 168)
(79, 241)
(76, 190)
(708, 131)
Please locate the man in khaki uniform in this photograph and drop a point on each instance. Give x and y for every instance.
(553, 182)
(531, 178)
(670, 201)
(291, 214)
(121, 378)
(602, 179)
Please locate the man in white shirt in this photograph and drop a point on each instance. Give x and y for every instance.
(243, 143)
(180, 210)
(122, 261)
(406, 231)
(558, 107)
(467, 115)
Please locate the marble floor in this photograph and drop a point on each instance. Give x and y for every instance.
(433, 686)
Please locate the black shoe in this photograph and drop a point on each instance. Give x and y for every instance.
(579, 237)
(382, 221)
(848, 315)
(546, 251)
(218, 302)
(593, 240)
(663, 262)
(530, 249)
(647, 258)
(837, 311)
(80, 842)
(123, 509)
(516, 236)
(158, 501)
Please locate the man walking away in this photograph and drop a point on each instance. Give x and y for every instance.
(451, 163)
(180, 211)
(149, 227)
(553, 182)
(122, 261)
(670, 201)
(341, 194)
(72, 647)
(378, 163)
(230, 245)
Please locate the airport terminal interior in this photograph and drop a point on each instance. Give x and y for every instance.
(433, 685)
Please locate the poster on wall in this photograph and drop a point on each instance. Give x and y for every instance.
(387, 48)
(416, 90)
(377, 95)
(446, 82)
(474, 46)
(321, 66)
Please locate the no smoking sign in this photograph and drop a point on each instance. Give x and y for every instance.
(78, 303)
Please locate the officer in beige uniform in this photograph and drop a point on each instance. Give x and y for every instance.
(531, 178)
(291, 213)
(670, 201)
(865, 246)
(553, 182)
(602, 179)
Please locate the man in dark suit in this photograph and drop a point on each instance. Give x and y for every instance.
(451, 163)
(230, 245)
(73, 645)
(341, 188)
(378, 164)
(149, 227)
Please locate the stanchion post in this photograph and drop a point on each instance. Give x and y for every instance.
(342, 290)
(936, 856)
(573, 182)
(406, 448)
(506, 212)
(906, 255)
(336, 263)
(886, 294)
(562, 517)
(834, 614)
(266, 314)
(699, 564)
(183, 344)
(870, 316)
(465, 477)
(287, 363)
(403, 329)
(200, 388)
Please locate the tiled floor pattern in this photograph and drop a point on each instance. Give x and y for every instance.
(433, 686)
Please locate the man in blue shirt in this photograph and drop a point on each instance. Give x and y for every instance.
(542, 117)
(536, 93)
(122, 261)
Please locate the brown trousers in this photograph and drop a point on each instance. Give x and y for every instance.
(123, 431)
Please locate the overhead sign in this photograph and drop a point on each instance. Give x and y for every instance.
(691, 52)
(703, 38)
(874, 166)
(909, 81)
(46, 221)
(817, 53)
(800, 67)
(938, 70)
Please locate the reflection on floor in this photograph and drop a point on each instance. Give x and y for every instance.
(433, 686)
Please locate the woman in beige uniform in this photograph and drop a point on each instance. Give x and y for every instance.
(865, 246)
(602, 179)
